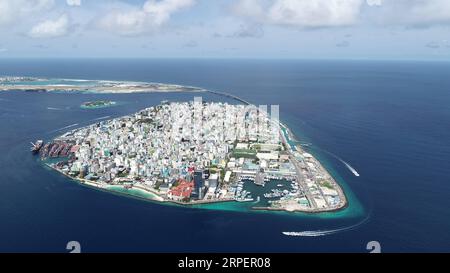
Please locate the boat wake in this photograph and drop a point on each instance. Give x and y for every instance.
(101, 118)
(318, 233)
(53, 108)
(67, 127)
(350, 168)
(346, 164)
(76, 124)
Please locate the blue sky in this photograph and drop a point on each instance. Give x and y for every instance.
(318, 29)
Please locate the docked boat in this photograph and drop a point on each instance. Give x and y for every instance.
(45, 150)
(244, 199)
(36, 147)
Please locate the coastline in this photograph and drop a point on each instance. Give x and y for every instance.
(156, 197)
(343, 197)
(354, 208)
(287, 136)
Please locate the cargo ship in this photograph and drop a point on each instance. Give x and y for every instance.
(36, 147)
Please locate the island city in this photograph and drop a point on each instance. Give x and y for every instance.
(197, 153)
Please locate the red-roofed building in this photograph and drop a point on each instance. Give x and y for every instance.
(182, 191)
(74, 149)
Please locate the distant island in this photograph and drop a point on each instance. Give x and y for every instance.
(197, 153)
(31, 84)
(98, 104)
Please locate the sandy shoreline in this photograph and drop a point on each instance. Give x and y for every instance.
(159, 199)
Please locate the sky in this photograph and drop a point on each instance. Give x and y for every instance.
(291, 29)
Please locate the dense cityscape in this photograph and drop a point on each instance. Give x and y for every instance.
(196, 152)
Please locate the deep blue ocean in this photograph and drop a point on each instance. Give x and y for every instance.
(389, 120)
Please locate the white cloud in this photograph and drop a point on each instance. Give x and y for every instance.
(51, 28)
(249, 8)
(334, 13)
(414, 12)
(149, 17)
(320, 13)
(76, 3)
(12, 10)
(374, 2)
(301, 13)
